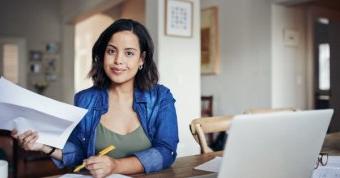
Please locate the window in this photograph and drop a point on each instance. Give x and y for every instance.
(10, 62)
(324, 67)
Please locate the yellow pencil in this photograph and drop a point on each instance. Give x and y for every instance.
(101, 153)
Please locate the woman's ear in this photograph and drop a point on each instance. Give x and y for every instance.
(142, 57)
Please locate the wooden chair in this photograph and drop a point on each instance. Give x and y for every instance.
(201, 126)
(268, 110)
(8, 145)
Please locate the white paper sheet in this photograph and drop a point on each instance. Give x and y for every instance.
(212, 165)
(24, 110)
(84, 176)
(331, 170)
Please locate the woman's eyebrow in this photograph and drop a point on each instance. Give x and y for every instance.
(134, 49)
(110, 45)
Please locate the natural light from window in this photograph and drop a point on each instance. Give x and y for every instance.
(10, 62)
(86, 34)
(324, 67)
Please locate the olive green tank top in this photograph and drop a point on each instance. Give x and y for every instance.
(125, 145)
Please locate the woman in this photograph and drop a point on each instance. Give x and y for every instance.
(126, 108)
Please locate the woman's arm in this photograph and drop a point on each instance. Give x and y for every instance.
(70, 156)
(27, 141)
(102, 166)
(165, 137)
(130, 165)
(56, 154)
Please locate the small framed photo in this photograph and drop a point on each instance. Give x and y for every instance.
(178, 18)
(52, 47)
(35, 68)
(36, 55)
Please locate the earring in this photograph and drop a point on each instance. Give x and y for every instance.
(140, 67)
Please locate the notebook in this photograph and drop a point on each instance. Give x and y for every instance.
(274, 145)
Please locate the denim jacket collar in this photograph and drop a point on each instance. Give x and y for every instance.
(138, 94)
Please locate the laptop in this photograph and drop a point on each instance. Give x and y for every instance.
(274, 145)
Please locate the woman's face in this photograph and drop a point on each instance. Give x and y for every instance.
(122, 57)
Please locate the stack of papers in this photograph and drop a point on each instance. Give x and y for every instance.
(24, 110)
(84, 176)
(212, 165)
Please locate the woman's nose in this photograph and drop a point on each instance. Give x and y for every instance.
(118, 59)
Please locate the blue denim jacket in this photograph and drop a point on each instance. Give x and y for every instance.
(156, 111)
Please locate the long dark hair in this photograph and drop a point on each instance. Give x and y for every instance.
(146, 77)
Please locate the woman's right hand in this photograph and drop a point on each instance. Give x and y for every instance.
(27, 140)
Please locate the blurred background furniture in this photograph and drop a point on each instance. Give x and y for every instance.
(207, 106)
(207, 111)
(7, 146)
(201, 126)
(26, 164)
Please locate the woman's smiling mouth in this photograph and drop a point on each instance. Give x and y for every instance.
(117, 70)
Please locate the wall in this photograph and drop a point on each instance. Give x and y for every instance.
(77, 10)
(289, 61)
(36, 21)
(178, 64)
(131, 9)
(134, 10)
(245, 77)
(291, 2)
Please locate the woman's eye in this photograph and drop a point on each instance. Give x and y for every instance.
(110, 51)
(129, 53)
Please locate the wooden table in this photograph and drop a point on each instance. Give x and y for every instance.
(331, 144)
(183, 167)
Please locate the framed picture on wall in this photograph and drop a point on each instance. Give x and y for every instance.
(36, 55)
(178, 18)
(210, 46)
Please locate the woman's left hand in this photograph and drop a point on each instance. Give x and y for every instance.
(100, 166)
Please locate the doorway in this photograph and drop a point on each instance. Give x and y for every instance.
(326, 49)
(13, 59)
(322, 64)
